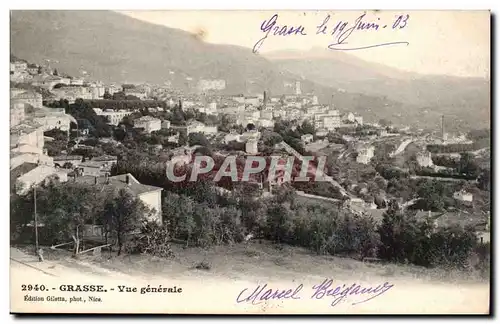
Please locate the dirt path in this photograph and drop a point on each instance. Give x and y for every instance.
(215, 291)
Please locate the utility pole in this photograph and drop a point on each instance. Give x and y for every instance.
(36, 220)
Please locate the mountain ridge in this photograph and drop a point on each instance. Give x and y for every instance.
(114, 47)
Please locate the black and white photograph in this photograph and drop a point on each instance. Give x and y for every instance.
(250, 162)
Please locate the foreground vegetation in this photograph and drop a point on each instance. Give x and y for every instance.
(201, 217)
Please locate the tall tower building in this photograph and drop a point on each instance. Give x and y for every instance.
(443, 134)
(298, 91)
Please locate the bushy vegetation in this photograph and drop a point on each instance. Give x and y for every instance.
(201, 217)
(154, 239)
(64, 209)
(406, 239)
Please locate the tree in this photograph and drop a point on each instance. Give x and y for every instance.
(468, 165)
(178, 213)
(64, 209)
(83, 112)
(21, 212)
(431, 194)
(68, 165)
(393, 232)
(271, 138)
(307, 128)
(183, 139)
(198, 139)
(107, 95)
(124, 214)
(484, 180)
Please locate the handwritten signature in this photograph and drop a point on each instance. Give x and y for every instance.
(341, 31)
(339, 293)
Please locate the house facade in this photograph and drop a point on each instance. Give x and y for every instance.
(148, 123)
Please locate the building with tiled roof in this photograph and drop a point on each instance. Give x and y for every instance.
(149, 195)
(148, 123)
(27, 97)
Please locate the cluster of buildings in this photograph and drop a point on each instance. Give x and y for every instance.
(211, 85)
(29, 162)
(30, 165)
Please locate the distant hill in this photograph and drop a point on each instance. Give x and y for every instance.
(116, 48)
(113, 47)
(465, 100)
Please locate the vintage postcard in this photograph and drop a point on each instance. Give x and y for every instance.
(250, 162)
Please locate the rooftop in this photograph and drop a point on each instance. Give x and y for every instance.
(28, 94)
(92, 164)
(146, 119)
(67, 157)
(37, 174)
(104, 158)
(22, 169)
(27, 126)
(456, 217)
(120, 182)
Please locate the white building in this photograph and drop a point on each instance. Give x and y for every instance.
(267, 123)
(136, 92)
(18, 66)
(77, 81)
(463, 195)
(29, 133)
(165, 124)
(211, 108)
(358, 120)
(198, 127)
(251, 147)
(365, 154)
(298, 90)
(28, 97)
(150, 124)
(231, 137)
(307, 138)
(53, 118)
(211, 84)
(424, 159)
(250, 135)
(329, 120)
(114, 117)
(173, 138)
(17, 114)
(72, 93)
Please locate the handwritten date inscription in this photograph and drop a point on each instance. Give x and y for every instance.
(340, 31)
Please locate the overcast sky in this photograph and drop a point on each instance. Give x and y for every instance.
(440, 42)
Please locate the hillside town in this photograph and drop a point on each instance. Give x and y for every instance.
(89, 159)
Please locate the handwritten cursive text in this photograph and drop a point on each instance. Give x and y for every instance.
(270, 25)
(323, 290)
(341, 31)
(259, 295)
(341, 292)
